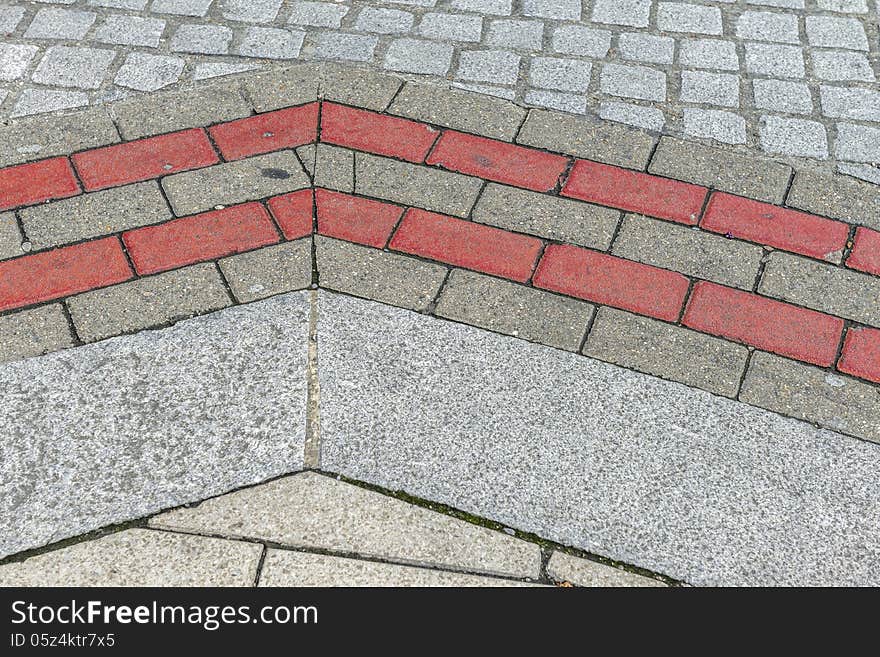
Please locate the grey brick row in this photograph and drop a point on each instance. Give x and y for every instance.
(839, 197)
(272, 270)
(33, 332)
(334, 168)
(10, 236)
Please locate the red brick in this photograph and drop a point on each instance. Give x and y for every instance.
(466, 244)
(865, 255)
(635, 192)
(499, 161)
(355, 219)
(62, 272)
(612, 281)
(376, 133)
(144, 159)
(861, 354)
(272, 131)
(293, 213)
(764, 323)
(201, 237)
(771, 225)
(28, 184)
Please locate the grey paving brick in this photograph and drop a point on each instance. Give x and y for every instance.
(378, 275)
(710, 88)
(334, 168)
(836, 32)
(55, 23)
(560, 10)
(148, 302)
(497, 7)
(581, 40)
(175, 110)
(649, 118)
(251, 11)
(768, 26)
(861, 171)
(419, 186)
(298, 84)
(34, 332)
(181, 7)
(841, 65)
(783, 96)
(824, 287)
(633, 82)
(10, 17)
(15, 59)
(635, 13)
(34, 138)
(131, 31)
(495, 66)
(512, 309)
(97, 213)
(649, 48)
(317, 14)
(682, 17)
(358, 87)
(725, 127)
(670, 352)
(144, 72)
(516, 34)
(66, 66)
(793, 137)
(774, 60)
(850, 103)
(857, 143)
(595, 140)
(744, 175)
(271, 43)
(451, 27)
(547, 216)
(42, 101)
(306, 155)
(416, 56)
(563, 74)
(349, 47)
(272, 270)
(808, 393)
(384, 21)
(482, 115)
(574, 103)
(709, 53)
(10, 236)
(235, 182)
(140, 557)
(202, 39)
(836, 196)
(564, 567)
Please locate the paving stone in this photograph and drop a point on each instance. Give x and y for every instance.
(378, 275)
(490, 117)
(202, 39)
(216, 69)
(648, 118)
(384, 21)
(836, 32)
(251, 11)
(144, 72)
(271, 43)
(667, 351)
(177, 110)
(284, 568)
(366, 89)
(793, 137)
(181, 7)
(415, 56)
(850, 103)
(783, 96)
(594, 140)
(131, 31)
(334, 168)
(721, 169)
(495, 66)
(633, 82)
(306, 155)
(119, 4)
(847, 6)
(822, 287)
(774, 60)
(413, 185)
(15, 59)
(710, 88)
(65, 66)
(34, 332)
(646, 47)
(516, 34)
(148, 302)
(10, 17)
(269, 271)
(559, 10)
(10, 236)
(451, 27)
(809, 393)
(498, 7)
(835, 66)
(498, 92)
(65, 24)
(39, 137)
(318, 14)
(692, 252)
(836, 196)
(547, 216)
(635, 13)
(127, 427)
(581, 40)
(861, 171)
(563, 567)
(709, 53)
(43, 101)
(140, 557)
(681, 17)
(563, 74)
(235, 182)
(512, 309)
(299, 85)
(653, 454)
(857, 143)
(555, 100)
(768, 26)
(351, 47)
(725, 127)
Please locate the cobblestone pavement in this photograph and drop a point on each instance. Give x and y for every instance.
(787, 77)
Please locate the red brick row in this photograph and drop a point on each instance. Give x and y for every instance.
(27, 184)
(865, 255)
(861, 354)
(377, 133)
(355, 219)
(293, 213)
(272, 131)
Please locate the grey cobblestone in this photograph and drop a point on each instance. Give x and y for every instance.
(181, 7)
(565, 102)
(15, 59)
(853, 103)
(783, 96)
(64, 66)
(251, 11)
(841, 65)
(580, 40)
(562, 74)
(683, 17)
(66, 24)
(793, 137)
(518, 35)
(131, 31)
(775, 60)
(768, 26)
(709, 53)
(10, 17)
(646, 48)
(836, 32)
(42, 101)
(34, 332)
(271, 43)
(633, 82)
(384, 21)
(496, 66)
(415, 56)
(726, 127)
(318, 14)
(857, 143)
(144, 72)
(710, 88)
(272, 270)
(560, 10)
(451, 27)
(350, 47)
(202, 39)
(634, 13)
